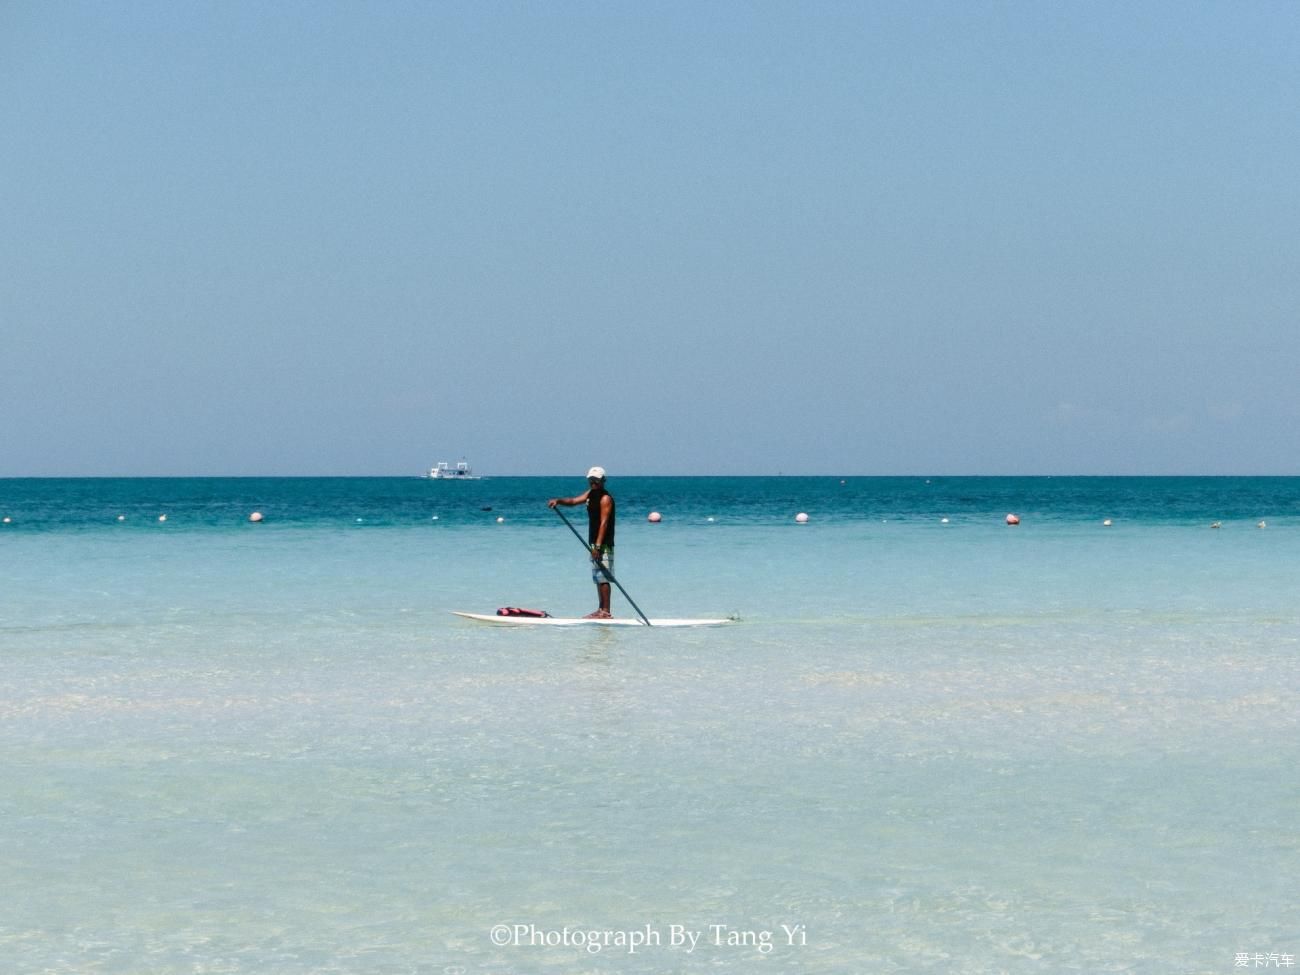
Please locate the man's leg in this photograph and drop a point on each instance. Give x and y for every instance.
(602, 582)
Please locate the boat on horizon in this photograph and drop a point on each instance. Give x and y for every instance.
(442, 471)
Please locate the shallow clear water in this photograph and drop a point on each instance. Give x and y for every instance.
(937, 747)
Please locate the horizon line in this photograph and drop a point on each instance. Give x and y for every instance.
(612, 477)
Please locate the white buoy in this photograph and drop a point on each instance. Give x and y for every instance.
(162, 517)
(121, 517)
(1107, 522)
(7, 520)
(801, 518)
(1013, 519)
(501, 519)
(943, 521)
(654, 518)
(435, 518)
(709, 519)
(255, 517)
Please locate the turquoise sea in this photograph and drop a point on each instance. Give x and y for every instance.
(933, 742)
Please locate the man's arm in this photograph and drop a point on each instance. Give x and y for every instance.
(572, 502)
(606, 507)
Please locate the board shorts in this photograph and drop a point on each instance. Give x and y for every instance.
(607, 560)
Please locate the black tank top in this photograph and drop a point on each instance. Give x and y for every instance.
(593, 516)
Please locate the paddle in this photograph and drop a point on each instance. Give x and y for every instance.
(608, 575)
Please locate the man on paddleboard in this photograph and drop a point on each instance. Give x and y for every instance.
(600, 533)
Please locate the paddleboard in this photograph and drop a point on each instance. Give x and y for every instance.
(583, 621)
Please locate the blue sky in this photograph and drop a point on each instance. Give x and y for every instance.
(859, 238)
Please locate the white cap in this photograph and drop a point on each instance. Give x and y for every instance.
(597, 472)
